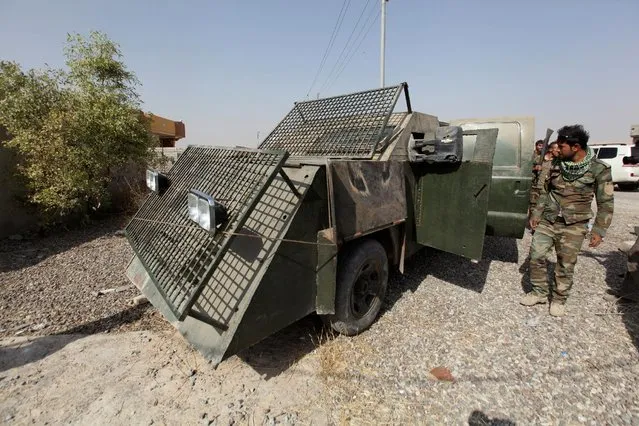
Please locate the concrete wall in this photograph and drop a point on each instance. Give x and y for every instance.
(167, 157)
(18, 218)
(14, 216)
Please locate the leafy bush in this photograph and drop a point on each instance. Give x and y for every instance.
(75, 127)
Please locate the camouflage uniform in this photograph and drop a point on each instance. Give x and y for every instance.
(538, 183)
(534, 190)
(564, 211)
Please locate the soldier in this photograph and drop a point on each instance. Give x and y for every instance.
(537, 161)
(551, 153)
(560, 219)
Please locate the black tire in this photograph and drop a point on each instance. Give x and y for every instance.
(362, 280)
(628, 186)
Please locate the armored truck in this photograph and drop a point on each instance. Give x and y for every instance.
(234, 244)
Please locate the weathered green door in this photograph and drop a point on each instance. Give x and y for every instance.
(451, 203)
(512, 171)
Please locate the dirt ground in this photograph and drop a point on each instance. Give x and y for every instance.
(72, 355)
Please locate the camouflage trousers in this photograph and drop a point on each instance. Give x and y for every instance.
(567, 241)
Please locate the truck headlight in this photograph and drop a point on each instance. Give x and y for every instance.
(156, 181)
(192, 201)
(152, 179)
(205, 211)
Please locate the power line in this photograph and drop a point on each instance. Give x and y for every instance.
(336, 28)
(339, 59)
(352, 53)
(353, 48)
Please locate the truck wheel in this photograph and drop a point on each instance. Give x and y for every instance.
(628, 186)
(362, 279)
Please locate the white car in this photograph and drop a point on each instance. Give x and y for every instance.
(626, 176)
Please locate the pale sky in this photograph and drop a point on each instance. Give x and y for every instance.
(232, 69)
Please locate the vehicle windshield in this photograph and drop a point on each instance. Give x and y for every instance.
(607, 153)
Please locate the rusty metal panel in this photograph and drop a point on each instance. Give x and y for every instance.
(366, 196)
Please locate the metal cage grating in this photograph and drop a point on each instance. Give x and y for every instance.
(179, 255)
(347, 126)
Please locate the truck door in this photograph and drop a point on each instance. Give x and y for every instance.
(451, 202)
(511, 173)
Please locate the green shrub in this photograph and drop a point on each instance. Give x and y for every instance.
(74, 127)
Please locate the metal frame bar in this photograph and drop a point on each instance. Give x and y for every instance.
(345, 126)
(289, 183)
(207, 320)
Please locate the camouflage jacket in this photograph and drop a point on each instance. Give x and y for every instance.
(536, 160)
(573, 200)
(543, 175)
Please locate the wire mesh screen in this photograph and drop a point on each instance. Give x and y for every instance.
(240, 265)
(343, 126)
(177, 253)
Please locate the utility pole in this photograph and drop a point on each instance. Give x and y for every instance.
(383, 43)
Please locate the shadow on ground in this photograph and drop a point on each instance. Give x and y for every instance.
(18, 254)
(450, 268)
(479, 418)
(277, 353)
(25, 352)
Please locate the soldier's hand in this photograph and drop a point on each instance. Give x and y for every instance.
(595, 240)
(533, 222)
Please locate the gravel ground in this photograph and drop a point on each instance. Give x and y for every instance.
(509, 363)
(49, 285)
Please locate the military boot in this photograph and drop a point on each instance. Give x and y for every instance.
(532, 299)
(557, 309)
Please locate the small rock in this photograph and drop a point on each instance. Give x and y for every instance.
(155, 402)
(442, 374)
(203, 415)
(139, 300)
(39, 327)
(16, 237)
(120, 233)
